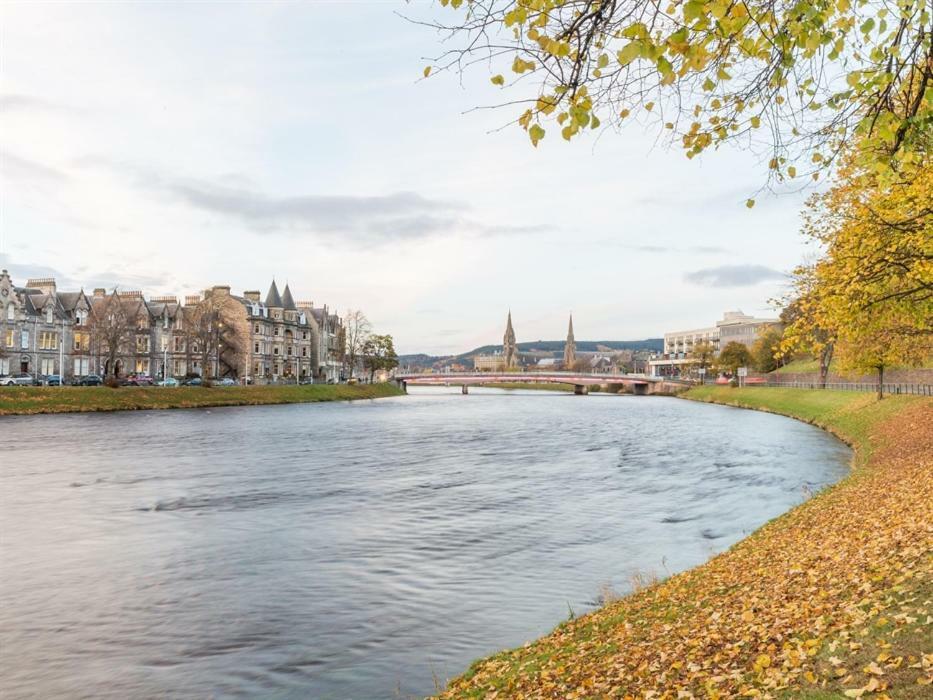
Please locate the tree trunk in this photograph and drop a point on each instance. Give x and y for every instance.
(880, 382)
(826, 357)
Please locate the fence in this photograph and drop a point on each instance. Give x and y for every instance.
(915, 389)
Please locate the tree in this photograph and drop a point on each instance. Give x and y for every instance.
(798, 79)
(703, 354)
(357, 330)
(804, 329)
(767, 349)
(110, 331)
(871, 294)
(733, 356)
(379, 354)
(217, 330)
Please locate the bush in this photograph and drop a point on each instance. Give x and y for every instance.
(207, 383)
(112, 382)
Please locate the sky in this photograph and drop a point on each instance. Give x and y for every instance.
(169, 147)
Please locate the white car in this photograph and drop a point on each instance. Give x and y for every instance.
(18, 380)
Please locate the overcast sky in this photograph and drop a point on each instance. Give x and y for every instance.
(169, 147)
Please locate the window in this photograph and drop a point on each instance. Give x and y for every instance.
(48, 340)
(142, 365)
(10, 338)
(256, 347)
(142, 343)
(48, 314)
(82, 341)
(275, 351)
(4, 365)
(178, 344)
(304, 335)
(165, 321)
(81, 316)
(179, 369)
(82, 366)
(275, 331)
(10, 312)
(256, 328)
(289, 350)
(142, 322)
(304, 352)
(47, 366)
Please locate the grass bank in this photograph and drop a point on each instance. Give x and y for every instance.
(833, 599)
(70, 399)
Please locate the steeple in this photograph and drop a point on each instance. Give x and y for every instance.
(509, 348)
(273, 300)
(288, 303)
(570, 347)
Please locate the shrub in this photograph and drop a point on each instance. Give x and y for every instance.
(207, 383)
(112, 382)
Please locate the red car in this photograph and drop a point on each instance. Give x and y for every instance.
(138, 380)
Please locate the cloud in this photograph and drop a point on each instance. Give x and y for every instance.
(733, 275)
(357, 219)
(16, 169)
(11, 102)
(22, 272)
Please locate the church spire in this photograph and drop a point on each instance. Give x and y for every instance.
(509, 347)
(570, 347)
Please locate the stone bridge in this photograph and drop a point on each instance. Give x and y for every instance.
(581, 381)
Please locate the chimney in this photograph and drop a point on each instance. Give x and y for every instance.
(192, 299)
(130, 294)
(165, 299)
(100, 292)
(45, 284)
(221, 290)
(253, 295)
(305, 305)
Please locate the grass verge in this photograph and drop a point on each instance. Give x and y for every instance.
(832, 599)
(71, 399)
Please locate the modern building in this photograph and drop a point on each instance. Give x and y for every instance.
(679, 346)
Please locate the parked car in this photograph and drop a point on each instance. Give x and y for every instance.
(53, 380)
(21, 379)
(170, 382)
(193, 381)
(137, 380)
(89, 380)
(226, 381)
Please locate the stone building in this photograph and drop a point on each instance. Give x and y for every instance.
(570, 347)
(212, 334)
(41, 329)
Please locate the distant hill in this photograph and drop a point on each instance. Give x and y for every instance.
(552, 346)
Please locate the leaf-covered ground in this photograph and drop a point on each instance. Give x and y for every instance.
(833, 599)
(70, 399)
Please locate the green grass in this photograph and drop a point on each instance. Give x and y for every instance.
(811, 365)
(70, 399)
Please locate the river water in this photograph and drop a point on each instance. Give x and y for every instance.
(358, 550)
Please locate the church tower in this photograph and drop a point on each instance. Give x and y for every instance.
(509, 349)
(570, 347)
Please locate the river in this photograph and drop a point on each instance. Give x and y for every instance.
(358, 550)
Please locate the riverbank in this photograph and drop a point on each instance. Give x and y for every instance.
(76, 399)
(829, 600)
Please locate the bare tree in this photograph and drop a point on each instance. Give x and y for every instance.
(217, 330)
(357, 330)
(111, 331)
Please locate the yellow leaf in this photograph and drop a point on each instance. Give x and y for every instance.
(497, 80)
(427, 71)
(750, 203)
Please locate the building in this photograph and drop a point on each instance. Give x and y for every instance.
(570, 347)
(509, 346)
(679, 346)
(215, 334)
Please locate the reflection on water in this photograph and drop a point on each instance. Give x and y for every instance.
(358, 550)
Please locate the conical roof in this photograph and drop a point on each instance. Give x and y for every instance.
(273, 300)
(570, 328)
(288, 303)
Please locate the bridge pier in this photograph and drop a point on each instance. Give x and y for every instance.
(580, 390)
(464, 389)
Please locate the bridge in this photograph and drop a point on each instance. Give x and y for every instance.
(581, 381)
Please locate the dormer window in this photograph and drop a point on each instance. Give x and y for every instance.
(10, 312)
(48, 314)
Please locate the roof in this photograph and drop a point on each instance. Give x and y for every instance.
(287, 301)
(273, 299)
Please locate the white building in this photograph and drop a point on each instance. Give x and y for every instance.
(734, 326)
